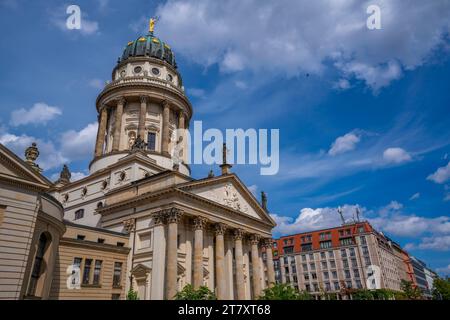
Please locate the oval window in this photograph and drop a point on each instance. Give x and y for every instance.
(138, 69)
(155, 71)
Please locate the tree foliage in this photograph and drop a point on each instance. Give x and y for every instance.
(132, 295)
(412, 292)
(441, 289)
(284, 292)
(189, 293)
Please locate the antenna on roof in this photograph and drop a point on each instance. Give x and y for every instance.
(340, 211)
(358, 212)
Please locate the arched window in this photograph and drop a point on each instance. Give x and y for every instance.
(39, 264)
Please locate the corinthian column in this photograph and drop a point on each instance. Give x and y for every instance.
(173, 217)
(269, 261)
(255, 267)
(220, 261)
(159, 256)
(199, 226)
(101, 131)
(118, 124)
(165, 131)
(239, 257)
(142, 116)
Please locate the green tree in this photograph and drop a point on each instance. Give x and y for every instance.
(189, 293)
(132, 295)
(362, 294)
(283, 292)
(412, 292)
(441, 289)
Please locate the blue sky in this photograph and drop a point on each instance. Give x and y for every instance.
(363, 114)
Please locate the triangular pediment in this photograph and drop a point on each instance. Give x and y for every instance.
(228, 191)
(14, 169)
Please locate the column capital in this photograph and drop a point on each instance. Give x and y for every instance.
(143, 99)
(267, 242)
(121, 100)
(166, 103)
(103, 107)
(200, 223)
(158, 217)
(220, 228)
(173, 215)
(238, 234)
(254, 238)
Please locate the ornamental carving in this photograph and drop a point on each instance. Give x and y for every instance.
(254, 239)
(200, 223)
(129, 225)
(238, 234)
(220, 228)
(173, 215)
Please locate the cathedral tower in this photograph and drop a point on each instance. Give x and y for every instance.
(142, 106)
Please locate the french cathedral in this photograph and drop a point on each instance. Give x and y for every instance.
(138, 221)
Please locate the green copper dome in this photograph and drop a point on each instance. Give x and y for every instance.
(149, 46)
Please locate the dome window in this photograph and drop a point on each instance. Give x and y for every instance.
(169, 78)
(155, 71)
(123, 73)
(137, 70)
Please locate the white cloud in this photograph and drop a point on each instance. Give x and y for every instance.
(396, 155)
(437, 243)
(96, 83)
(49, 157)
(444, 270)
(312, 219)
(415, 196)
(40, 113)
(295, 37)
(58, 18)
(343, 144)
(75, 176)
(342, 84)
(441, 175)
(253, 188)
(433, 233)
(196, 92)
(77, 145)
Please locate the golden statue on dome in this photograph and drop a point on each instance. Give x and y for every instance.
(152, 24)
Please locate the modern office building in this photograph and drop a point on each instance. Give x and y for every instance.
(337, 259)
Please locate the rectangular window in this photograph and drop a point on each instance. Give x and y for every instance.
(363, 240)
(354, 263)
(347, 274)
(308, 288)
(356, 273)
(365, 250)
(361, 229)
(76, 265)
(151, 141)
(87, 271)
(343, 253)
(336, 286)
(305, 266)
(313, 276)
(303, 257)
(332, 264)
(358, 284)
(311, 256)
(117, 276)
(306, 276)
(334, 273)
(330, 254)
(325, 244)
(100, 240)
(288, 250)
(316, 287)
(326, 275)
(327, 286)
(294, 269)
(286, 260)
(97, 271)
(324, 265)
(345, 263)
(306, 247)
(312, 266)
(346, 241)
(322, 255)
(81, 237)
(348, 284)
(352, 252)
(367, 260)
(79, 214)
